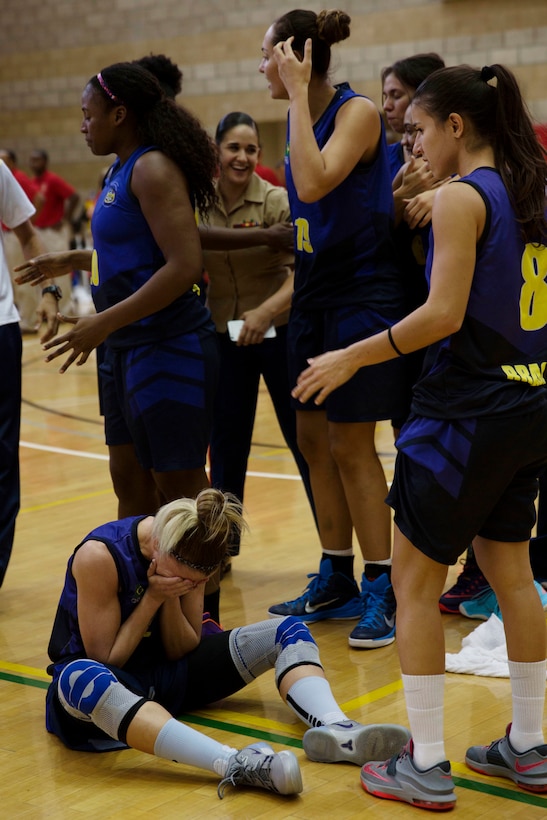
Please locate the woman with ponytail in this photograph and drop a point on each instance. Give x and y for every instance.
(472, 450)
(160, 364)
(130, 653)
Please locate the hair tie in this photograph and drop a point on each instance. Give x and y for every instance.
(487, 74)
(392, 343)
(106, 89)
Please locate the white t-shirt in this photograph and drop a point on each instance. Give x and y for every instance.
(15, 208)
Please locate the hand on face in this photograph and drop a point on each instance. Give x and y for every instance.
(162, 585)
(295, 73)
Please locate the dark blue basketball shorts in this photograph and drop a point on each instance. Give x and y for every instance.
(159, 397)
(374, 393)
(461, 478)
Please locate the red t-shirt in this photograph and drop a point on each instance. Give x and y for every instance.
(268, 174)
(55, 191)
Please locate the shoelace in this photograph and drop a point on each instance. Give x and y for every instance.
(250, 771)
(375, 608)
(317, 584)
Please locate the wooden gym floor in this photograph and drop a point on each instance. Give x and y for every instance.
(66, 491)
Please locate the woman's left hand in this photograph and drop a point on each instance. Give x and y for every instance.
(87, 333)
(294, 73)
(255, 324)
(324, 374)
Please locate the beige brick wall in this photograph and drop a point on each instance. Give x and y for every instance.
(50, 48)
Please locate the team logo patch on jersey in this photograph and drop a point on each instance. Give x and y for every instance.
(110, 196)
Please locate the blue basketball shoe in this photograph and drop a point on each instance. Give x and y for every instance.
(486, 604)
(377, 624)
(328, 595)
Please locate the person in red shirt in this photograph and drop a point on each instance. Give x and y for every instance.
(57, 204)
(54, 199)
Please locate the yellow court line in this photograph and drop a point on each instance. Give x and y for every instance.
(62, 502)
(19, 669)
(372, 697)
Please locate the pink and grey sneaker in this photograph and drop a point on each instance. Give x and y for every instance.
(527, 769)
(399, 779)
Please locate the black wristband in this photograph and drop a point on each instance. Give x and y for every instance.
(392, 343)
(55, 290)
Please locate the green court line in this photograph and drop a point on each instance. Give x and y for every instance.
(473, 785)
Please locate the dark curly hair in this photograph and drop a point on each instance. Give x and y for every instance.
(163, 123)
(166, 72)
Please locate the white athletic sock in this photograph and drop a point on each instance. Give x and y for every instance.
(424, 695)
(528, 698)
(340, 553)
(312, 700)
(181, 743)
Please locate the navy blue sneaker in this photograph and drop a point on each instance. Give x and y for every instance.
(328, 595)
(376, 626)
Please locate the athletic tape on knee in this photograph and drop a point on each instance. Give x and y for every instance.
(89, 691)
(282, 643)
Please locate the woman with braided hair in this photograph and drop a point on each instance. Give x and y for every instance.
(471, 452)
(128, 653)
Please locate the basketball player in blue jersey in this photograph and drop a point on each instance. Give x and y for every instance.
(471, 452)
(160, 363)
(128, 653)
(347, 287)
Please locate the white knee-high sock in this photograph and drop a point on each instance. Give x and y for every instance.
(183, 744)
(312, 700)
(424, 695)
(528, 698)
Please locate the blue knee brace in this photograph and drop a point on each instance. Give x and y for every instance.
(282, 643)
(81, 686)
(88, 690)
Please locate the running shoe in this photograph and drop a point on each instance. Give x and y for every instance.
(259, 766)
(399, 779)
(352, 742)
(527, 769)
(486, 604)
(469, 583)
(376, 626)
(328, 595)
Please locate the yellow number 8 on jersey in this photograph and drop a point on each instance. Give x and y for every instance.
(533, 294)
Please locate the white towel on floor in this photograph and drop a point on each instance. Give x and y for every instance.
(483, 652)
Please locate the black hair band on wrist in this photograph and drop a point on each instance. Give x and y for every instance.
(392, 343)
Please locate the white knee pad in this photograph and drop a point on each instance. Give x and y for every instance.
(89, 691)
(282, 643)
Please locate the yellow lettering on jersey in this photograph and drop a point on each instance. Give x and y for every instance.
(94, 268)
(533, 294)
(303, 235)
(533, 373)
